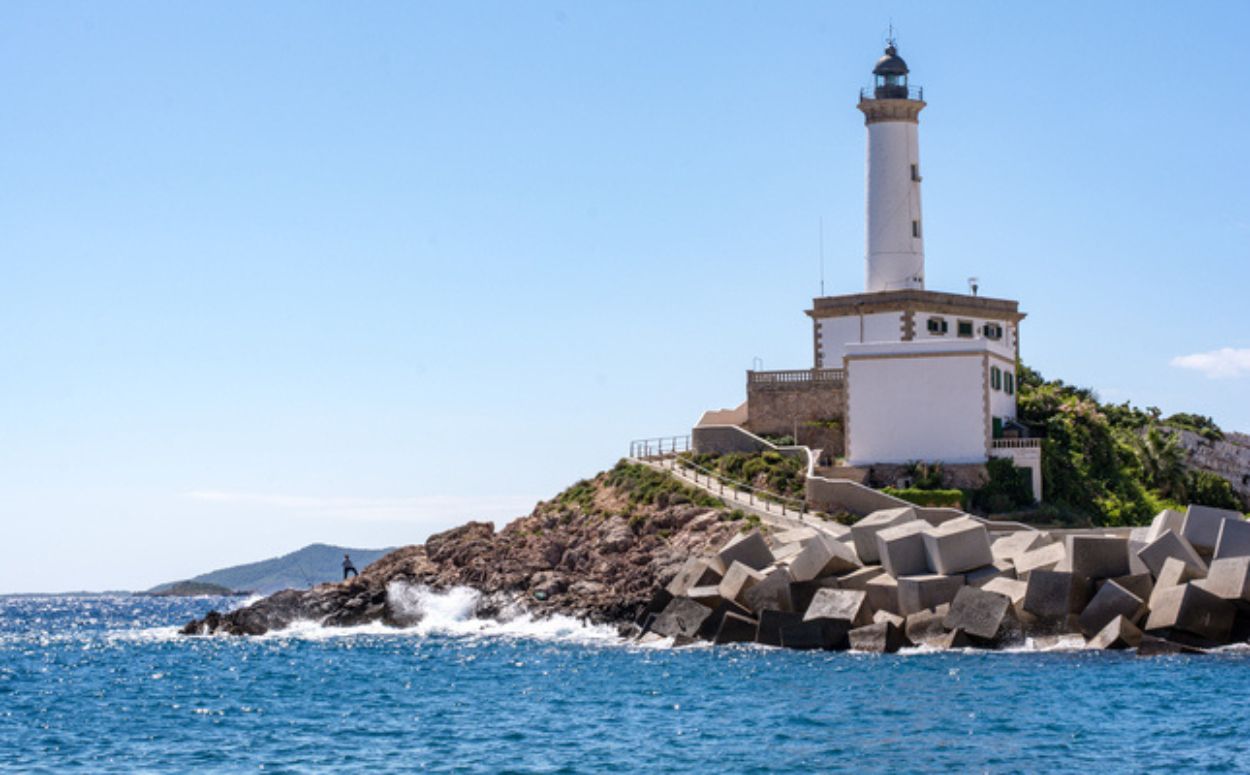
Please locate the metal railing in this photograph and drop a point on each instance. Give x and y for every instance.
(794, 376)
(1016, 443)
(716, 483)
(661, 447)
(893, 93)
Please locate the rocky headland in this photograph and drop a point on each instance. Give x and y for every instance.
(598, 552)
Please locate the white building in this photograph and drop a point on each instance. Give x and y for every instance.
(923, 375)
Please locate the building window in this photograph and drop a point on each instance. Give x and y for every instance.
(1009, 383)
(938, 326)
(996, 378)
(992, 331)
(915, 229)
(915, 172)
(965, 329)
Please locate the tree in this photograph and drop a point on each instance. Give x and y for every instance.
(1162, 461)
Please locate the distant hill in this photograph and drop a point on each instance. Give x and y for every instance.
(191, 589)
(314, 564)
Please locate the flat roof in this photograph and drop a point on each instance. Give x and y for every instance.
(914, 299)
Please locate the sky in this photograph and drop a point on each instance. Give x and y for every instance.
(276, 273)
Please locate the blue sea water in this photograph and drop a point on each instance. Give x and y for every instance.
(103, 684)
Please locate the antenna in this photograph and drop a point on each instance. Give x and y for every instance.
(889, 38)
(822, 255)
(973, 285)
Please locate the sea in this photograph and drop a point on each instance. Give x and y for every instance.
(104, 684)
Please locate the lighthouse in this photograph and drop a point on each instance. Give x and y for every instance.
(895, 232)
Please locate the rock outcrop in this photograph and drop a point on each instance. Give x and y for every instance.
(597, 552)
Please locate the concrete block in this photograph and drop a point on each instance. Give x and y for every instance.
(1014, 589)
(797, 535)
(696, 572)
(784, 553)
(988, 616)
(1229, 579)
(1152, 646)
(1233, 539)
(1202, 526)
(918, 593)
(886, 616)
(879, 638)
(750, 549)
(821, 557)
(882, 593)
(957, 546)
(859, 579)
(659, 600)
(1044, 558)
(808, 636)
(737, 581)
(1168, 519)
(681, 617)
(979, 577)
(802, 592)
(1172, 545)
(1191, 609)
(843, 605)
(1053, 595)
(771, 621)
(864, 532)
(1140, 584)
(1012, 545)
(1098, 557)
(1136, 542)
(1111, 601)
(711, 625)
(736, 628)
(1174, 573)
(836, 529)
(772, 591)
(708, 596)
(955, 639)
(1119, 633)
(901, 548)
(925, 627)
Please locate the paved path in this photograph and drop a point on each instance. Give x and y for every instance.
(773, 514)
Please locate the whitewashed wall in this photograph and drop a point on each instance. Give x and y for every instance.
(916, 408)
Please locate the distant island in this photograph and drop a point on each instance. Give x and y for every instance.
(303, 569)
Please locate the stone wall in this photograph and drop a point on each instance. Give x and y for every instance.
(964, 476)
(780, 409)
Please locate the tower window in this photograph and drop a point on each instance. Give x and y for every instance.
(937, 326)
(965, 329)
(915, 229)
(996, 378)
(992, 331)
(1009, 382)
(915, 172)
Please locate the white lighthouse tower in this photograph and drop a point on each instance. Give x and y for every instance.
(895, 239)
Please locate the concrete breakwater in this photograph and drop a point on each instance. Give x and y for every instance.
(893, 580)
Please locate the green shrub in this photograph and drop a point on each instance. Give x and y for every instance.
(1008, 488)
(949, 498)
(1208, 489)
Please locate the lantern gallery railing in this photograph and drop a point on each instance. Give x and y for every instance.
(892, 93)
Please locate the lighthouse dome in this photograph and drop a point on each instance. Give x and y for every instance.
(890, 64)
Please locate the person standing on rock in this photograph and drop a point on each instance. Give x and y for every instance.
(348, 567)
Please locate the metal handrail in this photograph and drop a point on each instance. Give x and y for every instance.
(913, 93)
(660, 447)
(765, 495)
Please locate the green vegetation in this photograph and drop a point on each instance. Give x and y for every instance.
(1008, 488)
(642, 485)
(928, 497)
(771, 471)
(1115, 463)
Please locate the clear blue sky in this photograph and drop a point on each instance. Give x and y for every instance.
(282, 272)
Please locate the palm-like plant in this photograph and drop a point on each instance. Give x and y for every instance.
(1163, 462)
